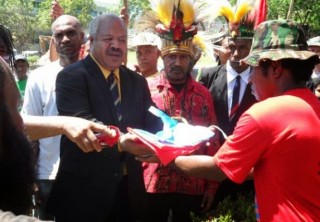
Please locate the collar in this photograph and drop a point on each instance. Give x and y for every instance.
(105, 71)
(232, 74)
(153, 75)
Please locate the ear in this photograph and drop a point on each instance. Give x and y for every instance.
(82, 36)
(159, 53)
(91, 39)
(277, 69)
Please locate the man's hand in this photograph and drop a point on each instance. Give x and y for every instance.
(56, 10)
(124, 15)
(131, 144)
(207, 201)
(82, 132)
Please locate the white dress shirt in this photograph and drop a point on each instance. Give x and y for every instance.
(231, 79)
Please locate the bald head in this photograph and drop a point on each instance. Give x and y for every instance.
(68, 37)
(66, 20)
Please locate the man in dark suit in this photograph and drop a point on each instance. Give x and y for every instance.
(106, 185)
(221, 81)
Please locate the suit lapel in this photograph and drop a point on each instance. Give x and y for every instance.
(247, 101)
(125, 89)
(221, 94)
(96, 73)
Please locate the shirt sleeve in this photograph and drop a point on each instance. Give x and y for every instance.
(32, 104)
(242, 149)
(10, 217)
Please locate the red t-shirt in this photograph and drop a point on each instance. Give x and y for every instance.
(280, 139)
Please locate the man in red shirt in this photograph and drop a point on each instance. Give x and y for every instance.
(277, 138)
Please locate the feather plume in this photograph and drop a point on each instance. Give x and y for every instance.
(204, 45)
(214, 6)
(164, 10)
(227, 12)
(241, 11)
(147, 21)
(186, 7)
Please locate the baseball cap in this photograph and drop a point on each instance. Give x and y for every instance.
(315, 41)
(276, 40)
(146, 38)
(20, 57)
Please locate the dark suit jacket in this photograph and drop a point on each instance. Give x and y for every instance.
(215, 79)
(86, 183)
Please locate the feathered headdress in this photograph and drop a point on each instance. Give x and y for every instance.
(242, 18)
(175, 21)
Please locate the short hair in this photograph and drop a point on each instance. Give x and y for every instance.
(301, 70)
(6, 36)
(96, 22)
(64, 17)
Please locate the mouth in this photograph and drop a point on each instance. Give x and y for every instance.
(115, 54)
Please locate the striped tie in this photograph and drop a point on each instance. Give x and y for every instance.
(113, 87)
(235, 96)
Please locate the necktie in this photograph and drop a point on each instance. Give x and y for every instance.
(113, 87)
(235, 96)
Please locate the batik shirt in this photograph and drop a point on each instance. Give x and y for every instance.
(195, 104)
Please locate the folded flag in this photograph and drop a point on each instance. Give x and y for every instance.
(175, 139)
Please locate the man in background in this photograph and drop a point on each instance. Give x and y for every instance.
(40, 100)
(21, 67)
(231, 92)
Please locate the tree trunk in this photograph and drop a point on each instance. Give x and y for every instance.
(290, 9)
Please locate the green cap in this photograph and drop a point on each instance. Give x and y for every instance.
(276, 40)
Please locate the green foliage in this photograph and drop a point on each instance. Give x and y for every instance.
(33, 59)
(26, 21)
(79, 8)
(230, 211)
(304, 12)
(17, 16)
(136, 7)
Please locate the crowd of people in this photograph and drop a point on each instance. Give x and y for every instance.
(263, 96)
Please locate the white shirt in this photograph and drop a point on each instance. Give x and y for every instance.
(40, 100)
(231, 80)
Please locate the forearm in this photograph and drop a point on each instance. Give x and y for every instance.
(200, 166)
(38, 127)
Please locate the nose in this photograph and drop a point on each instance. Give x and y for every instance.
(236, 52)
(177, 61)
(115, 44)
(65, 38)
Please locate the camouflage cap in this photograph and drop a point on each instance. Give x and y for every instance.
(315, 41)
(276, 40)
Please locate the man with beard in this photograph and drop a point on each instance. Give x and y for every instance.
(40, 100)
(176, 93)
(106, 185)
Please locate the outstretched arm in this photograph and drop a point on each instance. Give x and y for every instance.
(200, 166)
(80, 131)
